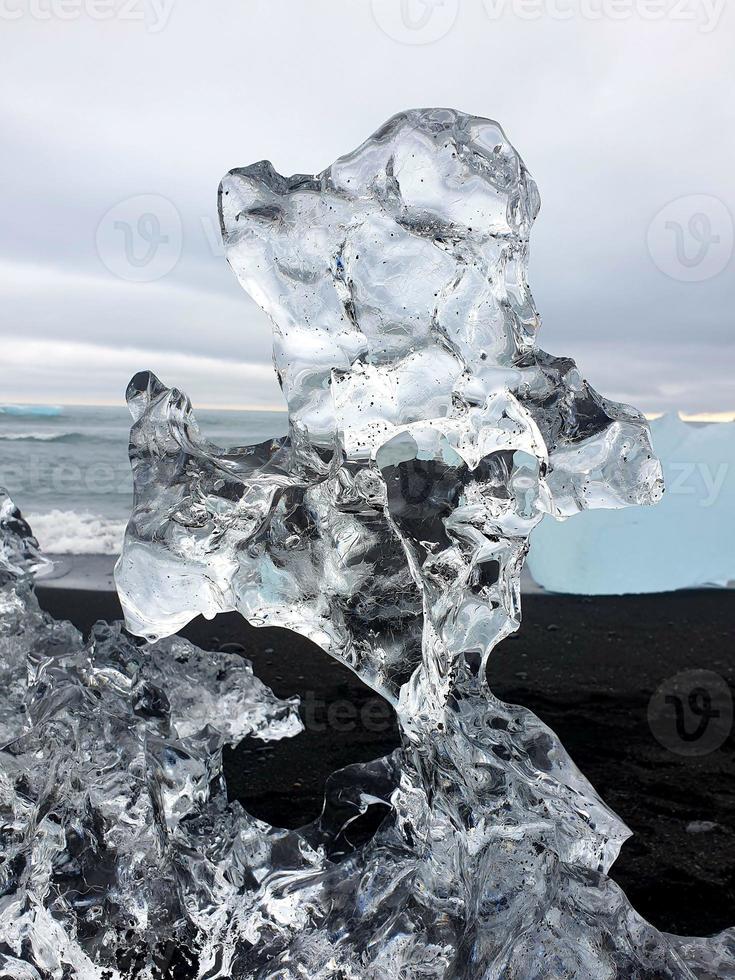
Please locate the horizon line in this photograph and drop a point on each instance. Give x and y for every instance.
(727, 416)
(207, 406)
(694, 416)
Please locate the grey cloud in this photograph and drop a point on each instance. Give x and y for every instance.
(613, 119)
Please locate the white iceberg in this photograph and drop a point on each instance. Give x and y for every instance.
(687, 541)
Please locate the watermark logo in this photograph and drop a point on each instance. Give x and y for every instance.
(691, 713)
(691, 238)
(140, 239)
(415, 21)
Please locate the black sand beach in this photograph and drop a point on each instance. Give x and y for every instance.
(589, 667)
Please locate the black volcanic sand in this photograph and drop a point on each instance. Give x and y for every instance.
(589, 668)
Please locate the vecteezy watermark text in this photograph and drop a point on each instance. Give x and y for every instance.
(33, 473)
(417, 22)
(152, 14)
(705, 14)
(343, 717)
(703, 481)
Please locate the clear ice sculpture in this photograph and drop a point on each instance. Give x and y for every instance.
(428, 436)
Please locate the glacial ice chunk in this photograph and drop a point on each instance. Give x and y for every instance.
(428, 436)
(120, 850)
(688, 540)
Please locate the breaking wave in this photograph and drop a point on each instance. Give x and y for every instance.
(62, 532)
(41, 436)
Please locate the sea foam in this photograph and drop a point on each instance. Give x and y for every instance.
(67, 532)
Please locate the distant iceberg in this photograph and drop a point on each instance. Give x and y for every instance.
(687, 540)
(44, 410)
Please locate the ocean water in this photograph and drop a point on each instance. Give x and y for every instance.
(67, 467)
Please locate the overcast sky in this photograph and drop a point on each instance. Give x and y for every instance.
(120, 116)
